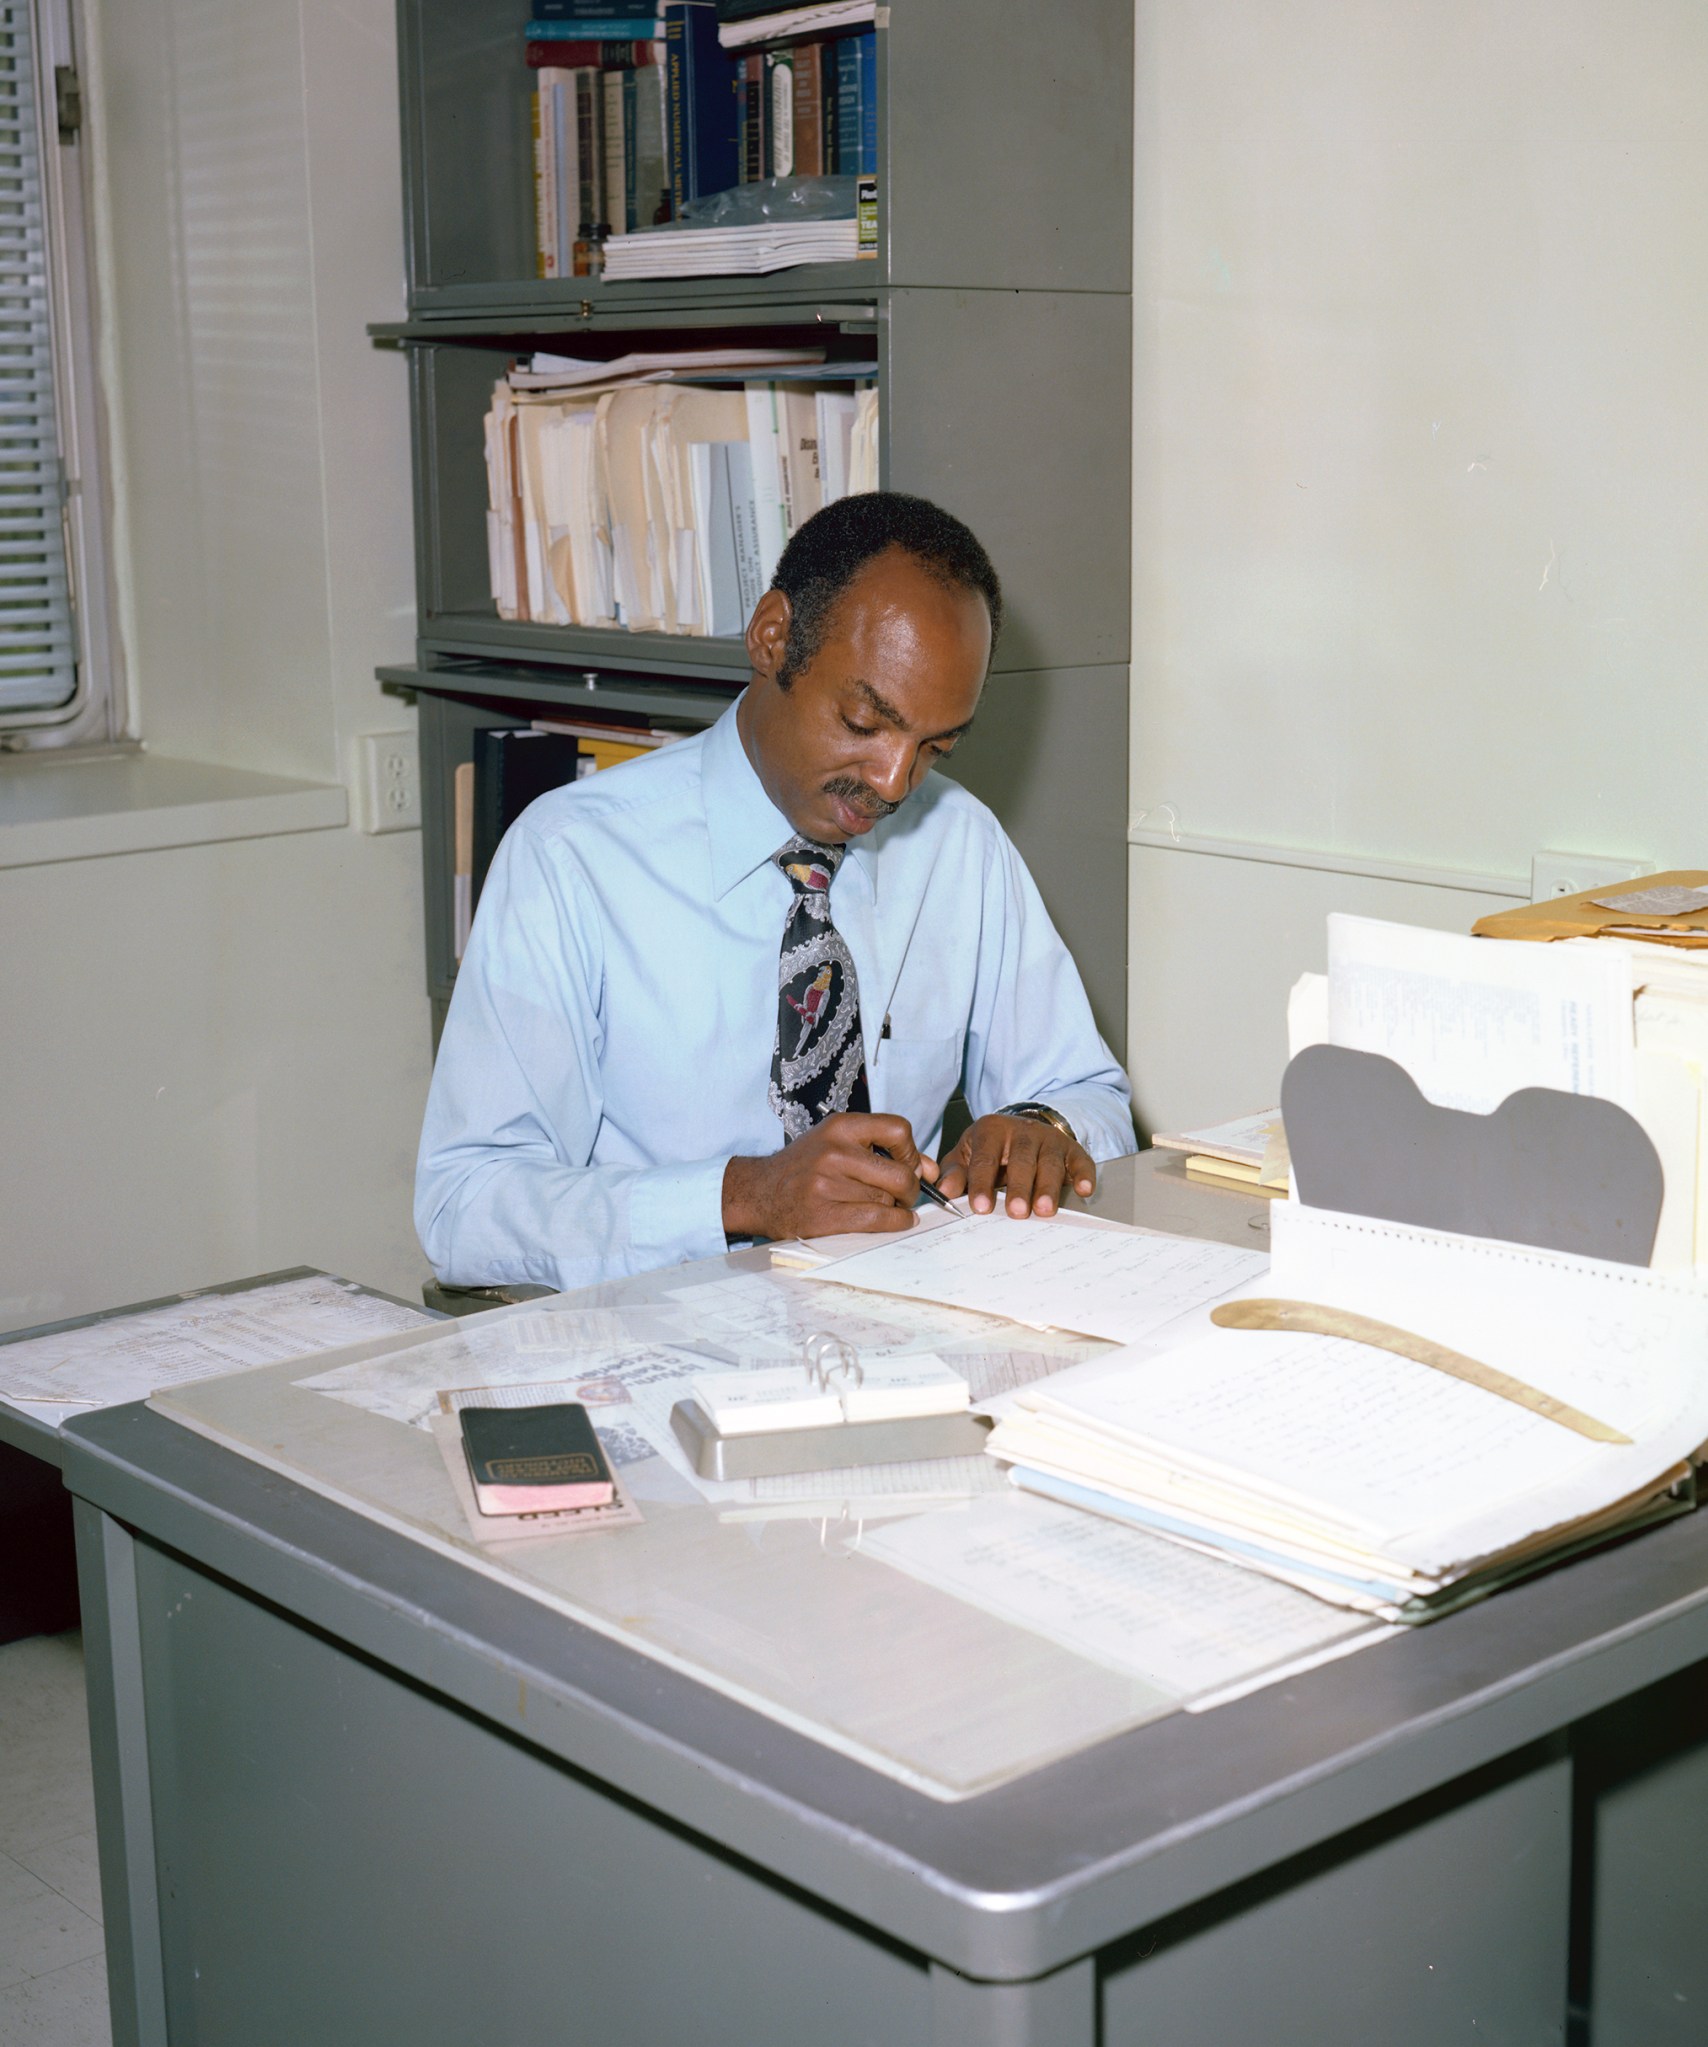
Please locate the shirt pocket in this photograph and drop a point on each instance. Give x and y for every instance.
(914, 1077)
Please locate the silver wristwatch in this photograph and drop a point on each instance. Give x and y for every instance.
(1037, 1112)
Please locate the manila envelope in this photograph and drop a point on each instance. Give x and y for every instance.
(1581, 916)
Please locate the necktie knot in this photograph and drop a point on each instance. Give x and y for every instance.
(808, 867)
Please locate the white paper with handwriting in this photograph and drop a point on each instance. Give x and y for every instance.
(1053, 1273)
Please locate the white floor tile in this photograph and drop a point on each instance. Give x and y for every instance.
(52, 1969)
(18, 1883)
(51, 1807)
(65, 2009)
(42, 1934)
(70, 1867)
(45, 1793)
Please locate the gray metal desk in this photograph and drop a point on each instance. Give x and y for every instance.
(351, 1792)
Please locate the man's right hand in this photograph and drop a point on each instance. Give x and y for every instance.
(828, 1181)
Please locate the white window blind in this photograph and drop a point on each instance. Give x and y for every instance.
(38, 639)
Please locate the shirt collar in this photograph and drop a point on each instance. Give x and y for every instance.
(743, 826)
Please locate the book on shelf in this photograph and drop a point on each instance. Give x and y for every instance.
(606, 53)
(570, 168)
(548, 253)
(607, 28)
(780, 113)
(701, 100)
(608, 742)
(513, 765)
(635, 118)
(663, 507)
(750, 119)
(807, 87)
(556, 11)
(462, 857)
(809, 109)
(601, 152)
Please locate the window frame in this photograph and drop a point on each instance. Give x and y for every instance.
(95, 713)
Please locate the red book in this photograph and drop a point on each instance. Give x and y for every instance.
(809, 110)
(595, 56)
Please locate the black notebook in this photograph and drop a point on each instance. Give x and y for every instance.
(513, 766)
(534, 1460)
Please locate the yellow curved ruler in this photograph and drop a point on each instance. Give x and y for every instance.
(1308, 1319)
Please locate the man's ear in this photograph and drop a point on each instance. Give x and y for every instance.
(768, 634)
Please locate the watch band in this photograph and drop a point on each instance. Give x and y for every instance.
(1038, 1112)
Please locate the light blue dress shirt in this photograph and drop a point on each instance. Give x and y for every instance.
(609, 1042)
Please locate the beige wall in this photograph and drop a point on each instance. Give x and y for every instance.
(216, 1057)
(1420, 293)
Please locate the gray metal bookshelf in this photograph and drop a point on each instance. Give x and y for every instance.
(997, 320)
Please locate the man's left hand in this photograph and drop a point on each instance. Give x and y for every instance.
(1033, 1160)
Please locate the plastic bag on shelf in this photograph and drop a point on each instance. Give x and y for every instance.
(777, 199)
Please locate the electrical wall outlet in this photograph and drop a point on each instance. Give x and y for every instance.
(1569, 874)
(390, 774)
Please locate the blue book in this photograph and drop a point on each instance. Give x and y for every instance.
(867, 60)
(847, 120)
(702, 78)
(605, 29)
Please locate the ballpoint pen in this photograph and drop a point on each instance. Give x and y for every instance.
(925, 1186)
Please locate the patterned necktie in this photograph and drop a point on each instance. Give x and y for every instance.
(818, 1068)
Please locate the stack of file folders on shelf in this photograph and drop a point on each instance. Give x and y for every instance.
(623, 494)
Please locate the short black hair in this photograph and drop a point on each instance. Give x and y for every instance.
(834, 545)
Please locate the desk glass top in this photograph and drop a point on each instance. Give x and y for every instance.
(760, 1589)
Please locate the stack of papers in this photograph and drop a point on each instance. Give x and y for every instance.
(548, 372)
(130, 1355)
(1370, 1479)
(1250, 1151)
(730, 251)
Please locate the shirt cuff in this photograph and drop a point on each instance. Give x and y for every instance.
(676, 1214)
(1102, 1120)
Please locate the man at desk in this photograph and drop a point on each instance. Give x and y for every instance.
(727, 991)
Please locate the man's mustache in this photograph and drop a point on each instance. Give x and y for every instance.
(849, 791)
